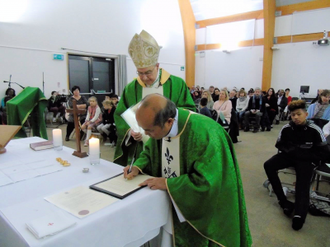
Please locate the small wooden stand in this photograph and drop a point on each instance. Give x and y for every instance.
(75, 112)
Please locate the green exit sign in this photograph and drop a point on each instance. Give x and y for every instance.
(58, 57)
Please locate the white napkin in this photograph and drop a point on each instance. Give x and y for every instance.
(49, 225)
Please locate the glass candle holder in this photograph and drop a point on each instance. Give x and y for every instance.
(94, 159)
(57, 139)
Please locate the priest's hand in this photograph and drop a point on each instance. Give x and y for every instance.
(137, 136)
(134, 172)
(155, 183)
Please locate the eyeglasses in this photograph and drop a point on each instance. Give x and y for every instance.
(147, 73)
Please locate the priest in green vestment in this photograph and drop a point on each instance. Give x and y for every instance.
(144, 52)
(193, 159)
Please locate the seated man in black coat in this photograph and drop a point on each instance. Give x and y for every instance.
(282, 102)
(256, 107)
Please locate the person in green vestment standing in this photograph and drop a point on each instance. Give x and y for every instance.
(144, 52)
(193, 159)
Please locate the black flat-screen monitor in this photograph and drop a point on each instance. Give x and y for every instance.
(304, 89)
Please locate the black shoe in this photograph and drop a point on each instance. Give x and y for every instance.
(255, 130)
(268, 128)
(263, 128)
(67, 138)
(246, 130)
(297, 222)
(287, 207)
(277, 122)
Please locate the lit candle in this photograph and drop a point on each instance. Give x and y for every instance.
(94, 146)
(57, 139)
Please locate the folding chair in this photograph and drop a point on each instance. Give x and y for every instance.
(288, 187)
(321, 172)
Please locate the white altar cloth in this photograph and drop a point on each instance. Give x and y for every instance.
(128, 222)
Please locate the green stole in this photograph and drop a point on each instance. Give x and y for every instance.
(174, 88)
(209, 191)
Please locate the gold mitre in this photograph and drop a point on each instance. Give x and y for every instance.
(143, 50)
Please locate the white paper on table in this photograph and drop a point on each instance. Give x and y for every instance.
(48, 169)
(10, 164)
(38, 164)
(130, 119)
(50, 224)
(81, 201)
(15, 169)
(120, 186)
(20, 176)
(35, 158)
(4, 179)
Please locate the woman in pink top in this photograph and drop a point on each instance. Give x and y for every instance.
(223, 106)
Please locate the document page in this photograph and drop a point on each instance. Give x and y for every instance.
(16, 171)
(129, 117)
(81, 201)
(119, 186)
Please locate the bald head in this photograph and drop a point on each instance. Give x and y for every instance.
(156, 102)
(156, 114)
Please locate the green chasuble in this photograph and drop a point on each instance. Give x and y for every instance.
(31, 101)
(209, 191)
(174, 88)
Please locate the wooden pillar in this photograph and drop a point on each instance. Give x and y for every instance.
(189, 31)
(269, 27)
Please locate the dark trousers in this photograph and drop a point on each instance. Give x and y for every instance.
(304, 173)
(113, 133)
(70, 128)
(56, 110)
(257, 116)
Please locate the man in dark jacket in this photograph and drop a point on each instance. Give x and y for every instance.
(301, 144)
(282, 102)
(256, 107)
(233, 98)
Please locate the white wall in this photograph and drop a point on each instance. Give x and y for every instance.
(301, 64)
(294, 64)
(239, 68)
(242, 67)
(100, 27)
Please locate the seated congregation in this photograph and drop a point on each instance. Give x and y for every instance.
(255, 110)
(94, 119)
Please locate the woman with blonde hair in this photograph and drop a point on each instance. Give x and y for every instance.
(223, 106)
(207, 95)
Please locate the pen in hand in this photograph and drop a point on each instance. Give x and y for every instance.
(130, 167)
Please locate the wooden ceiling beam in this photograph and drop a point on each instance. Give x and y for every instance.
(258, 14)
